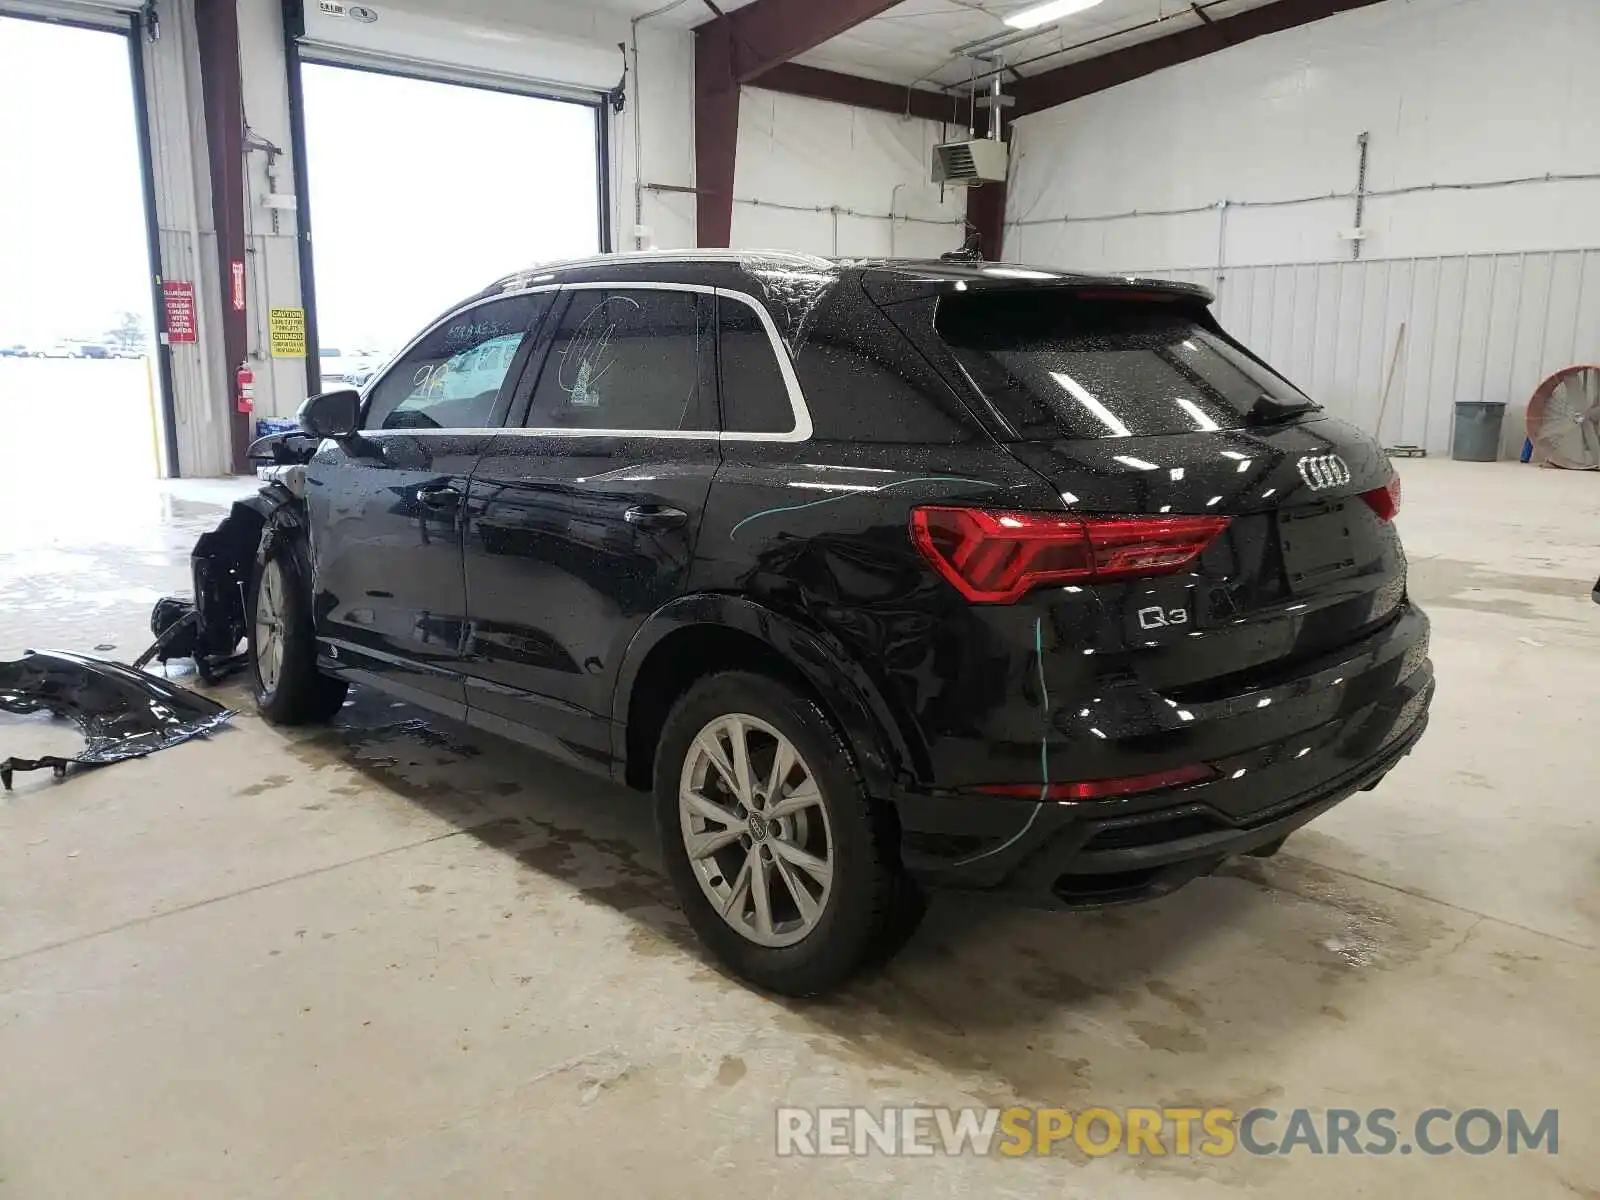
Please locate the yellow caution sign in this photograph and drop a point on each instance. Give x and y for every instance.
(287, 329)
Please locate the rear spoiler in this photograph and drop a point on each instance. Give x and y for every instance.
(898, 289)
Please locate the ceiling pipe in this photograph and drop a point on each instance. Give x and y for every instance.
(638, 98)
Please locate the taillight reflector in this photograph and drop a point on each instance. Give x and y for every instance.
(995, 557)
(1100, 789)
(1385, 500)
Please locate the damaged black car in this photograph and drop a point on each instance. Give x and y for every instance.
(881, 576)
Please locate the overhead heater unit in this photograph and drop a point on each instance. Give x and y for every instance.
(969, 163)
(976, 160)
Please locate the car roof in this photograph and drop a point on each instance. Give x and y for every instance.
(888, 279)
(791, 286)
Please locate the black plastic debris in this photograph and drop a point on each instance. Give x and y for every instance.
(123, 713)
(182, 632)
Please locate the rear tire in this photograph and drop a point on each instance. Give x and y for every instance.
(289, 690)
(834, 900)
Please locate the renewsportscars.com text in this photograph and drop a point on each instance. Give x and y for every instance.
(914, 1132)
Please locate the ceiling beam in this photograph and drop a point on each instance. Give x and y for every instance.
(740, 47)
(1074, 80)
(769, 32)
(857, 92)
(716, 134)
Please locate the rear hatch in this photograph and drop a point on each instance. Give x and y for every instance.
(1131, 400)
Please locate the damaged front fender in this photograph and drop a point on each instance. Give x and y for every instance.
(220, 567)
(123, 713)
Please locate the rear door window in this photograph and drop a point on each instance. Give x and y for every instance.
(629, 360)
(1058, 366)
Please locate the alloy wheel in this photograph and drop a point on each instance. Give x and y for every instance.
(756, 830)
(269, 625)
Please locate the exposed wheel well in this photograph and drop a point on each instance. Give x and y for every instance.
(673, 666)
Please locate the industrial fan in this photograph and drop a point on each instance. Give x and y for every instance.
(1564, 419)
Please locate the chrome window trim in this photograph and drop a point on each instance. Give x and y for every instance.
(797, 398)
(801, 432)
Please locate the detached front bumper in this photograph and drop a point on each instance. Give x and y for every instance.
(1085, 855)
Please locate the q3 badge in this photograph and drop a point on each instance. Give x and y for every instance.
(1158, 617)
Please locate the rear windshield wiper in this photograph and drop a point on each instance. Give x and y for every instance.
(1268, 410)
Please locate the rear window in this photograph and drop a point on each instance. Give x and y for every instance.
(1056, 365)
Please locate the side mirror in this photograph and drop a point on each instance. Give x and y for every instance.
(331, 414)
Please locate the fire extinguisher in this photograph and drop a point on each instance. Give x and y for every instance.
(244, 380)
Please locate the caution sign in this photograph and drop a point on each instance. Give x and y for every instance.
(178, 298)
(287, 331)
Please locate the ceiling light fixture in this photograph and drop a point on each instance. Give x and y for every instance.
(1054, 10)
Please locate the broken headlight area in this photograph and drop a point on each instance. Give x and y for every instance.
(123, 713)
(210, 627)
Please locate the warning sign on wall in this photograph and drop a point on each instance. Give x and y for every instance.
(178, 297)
(287, 332)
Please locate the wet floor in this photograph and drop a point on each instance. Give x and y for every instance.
(396, 956)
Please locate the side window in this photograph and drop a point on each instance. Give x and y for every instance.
(628, 359)
(755, 398)
(864, 381)
(451, 378)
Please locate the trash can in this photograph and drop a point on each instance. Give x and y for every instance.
(1477, 432)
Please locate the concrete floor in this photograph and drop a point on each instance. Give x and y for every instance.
(401, 958)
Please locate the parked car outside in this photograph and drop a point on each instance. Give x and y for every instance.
(881, 576)
(337, 364)
(362, 375)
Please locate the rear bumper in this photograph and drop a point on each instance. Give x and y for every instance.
(1085, 855)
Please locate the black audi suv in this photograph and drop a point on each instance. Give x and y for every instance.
(881, 575)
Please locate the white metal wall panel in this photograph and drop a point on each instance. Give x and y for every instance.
(1477, 327)
(1484, 124)
(823, 178)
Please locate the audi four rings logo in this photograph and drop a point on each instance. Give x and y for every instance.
(1323, 471)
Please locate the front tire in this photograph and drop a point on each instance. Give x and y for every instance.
(289, 690)
(785, 869)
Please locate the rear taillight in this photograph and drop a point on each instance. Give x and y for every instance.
(997, 557)
(1385, 500)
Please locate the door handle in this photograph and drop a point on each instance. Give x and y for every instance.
(440, 496)
(655, 516)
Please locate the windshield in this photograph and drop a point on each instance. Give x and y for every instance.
(1055, 365)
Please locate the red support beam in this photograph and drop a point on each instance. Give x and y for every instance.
(770, 32)
(742, 47)
(1070, 82)
(221, 95)
(716, 134)
(986, 219)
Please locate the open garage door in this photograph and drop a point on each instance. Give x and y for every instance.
(79, 367)
(425, 180)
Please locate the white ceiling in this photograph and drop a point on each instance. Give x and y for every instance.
(912, 42)
(682, 14)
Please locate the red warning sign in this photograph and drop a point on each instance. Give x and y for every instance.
(179, 297)
(238, 286)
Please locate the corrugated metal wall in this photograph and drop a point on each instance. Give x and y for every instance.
(1477, 327)
(200, 375)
